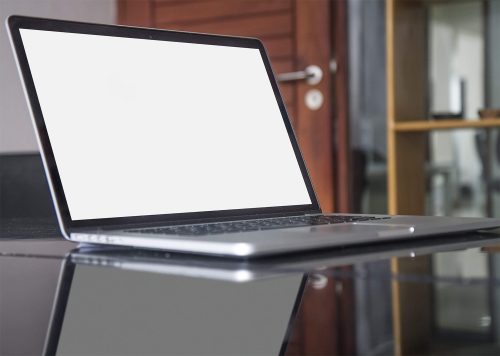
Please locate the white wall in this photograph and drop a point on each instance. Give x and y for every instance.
(16, 132)
(457, 51)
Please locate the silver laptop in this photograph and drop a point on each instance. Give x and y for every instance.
(242, 270)
(179, 141)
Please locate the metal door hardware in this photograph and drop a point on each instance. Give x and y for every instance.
(314, 99)
(312, 75)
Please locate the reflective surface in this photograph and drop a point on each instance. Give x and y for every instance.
(184, 315)
(401, 298)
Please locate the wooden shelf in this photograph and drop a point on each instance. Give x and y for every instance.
(451, 124)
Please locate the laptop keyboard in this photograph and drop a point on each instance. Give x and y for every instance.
(253, 225)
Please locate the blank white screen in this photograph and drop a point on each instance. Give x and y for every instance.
(146, 127)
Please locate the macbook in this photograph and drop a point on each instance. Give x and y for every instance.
(179, 141)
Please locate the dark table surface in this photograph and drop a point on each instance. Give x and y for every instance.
(438, 296)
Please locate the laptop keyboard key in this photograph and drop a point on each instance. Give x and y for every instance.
(254, 225)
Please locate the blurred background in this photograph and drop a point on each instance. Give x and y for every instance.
(394, 103)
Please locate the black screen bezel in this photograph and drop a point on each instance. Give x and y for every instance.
(15, 23)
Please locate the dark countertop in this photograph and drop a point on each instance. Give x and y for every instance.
(435, 296)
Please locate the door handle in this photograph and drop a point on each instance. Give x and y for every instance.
(312, 75)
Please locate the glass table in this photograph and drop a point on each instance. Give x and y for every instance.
(435, 296)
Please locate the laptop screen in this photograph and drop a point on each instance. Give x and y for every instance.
(145, 127)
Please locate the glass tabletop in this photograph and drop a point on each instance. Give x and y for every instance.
(435, 296)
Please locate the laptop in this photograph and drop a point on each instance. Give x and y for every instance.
(241, 271)
(179, 141)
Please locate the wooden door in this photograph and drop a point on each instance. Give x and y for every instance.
(296, 33)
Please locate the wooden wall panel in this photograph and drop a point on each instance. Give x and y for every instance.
(344, 175)
(280, 48)
(314, 128)
(264, 26)
(216, 10)
(135, 13)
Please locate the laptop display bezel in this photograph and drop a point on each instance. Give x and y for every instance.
(15, 23)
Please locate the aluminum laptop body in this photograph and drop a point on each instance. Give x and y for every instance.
(150, 136)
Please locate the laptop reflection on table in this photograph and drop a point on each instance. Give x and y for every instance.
(142, 308)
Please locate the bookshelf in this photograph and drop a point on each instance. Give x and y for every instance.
(407, 142)
(451, 124)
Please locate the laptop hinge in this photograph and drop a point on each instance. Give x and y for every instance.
(188, 221)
